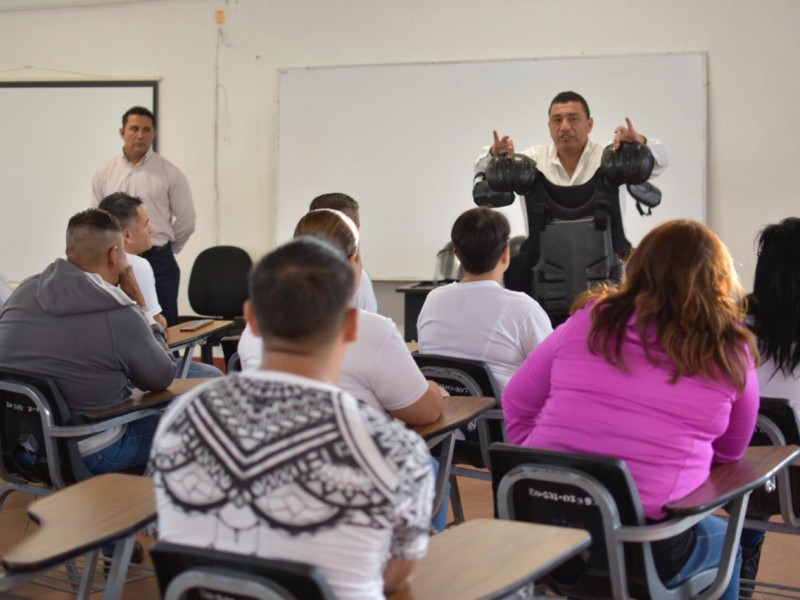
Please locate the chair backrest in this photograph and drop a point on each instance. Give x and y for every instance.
(459, 376)
(464, 377)
(235, 363)
(218, 281)
(29, 407)
(777, 425)
(574, 256)
(186, 572)
(573, 490)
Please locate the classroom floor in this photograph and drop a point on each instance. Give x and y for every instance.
(780, 562)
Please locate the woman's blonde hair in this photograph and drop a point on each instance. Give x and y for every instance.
(333, 225)
(681, 280)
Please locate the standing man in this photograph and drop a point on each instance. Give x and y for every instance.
(572, 159)
(140, 172)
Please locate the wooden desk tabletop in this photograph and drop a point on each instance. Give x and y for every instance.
(488, 557)
(730, 480)
(81, 517)
(177, 338)
(458, 411)
(141, 399)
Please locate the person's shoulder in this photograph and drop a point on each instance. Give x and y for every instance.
(104, 167)
(375, 325)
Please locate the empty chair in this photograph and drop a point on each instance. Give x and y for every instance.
(218, 289)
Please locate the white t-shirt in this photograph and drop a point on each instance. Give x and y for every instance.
(147, 283)
(274, 465)
(481, 320)
(364, 297)
(378, 368)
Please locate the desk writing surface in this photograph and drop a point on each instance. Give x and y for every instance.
(142, 399)
(486, 557)
(83, 516)
(729, 480)
(458, 411)
(178, 339)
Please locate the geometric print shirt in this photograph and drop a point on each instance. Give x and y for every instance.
(274, 465)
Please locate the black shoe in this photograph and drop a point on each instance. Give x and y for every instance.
(750, 558)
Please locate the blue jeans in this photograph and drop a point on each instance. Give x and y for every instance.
(130, 451)
(168, 278)
(440, 521)
(201, 369)
(709, 539)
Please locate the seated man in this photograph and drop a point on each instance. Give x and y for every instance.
(477, 318)
(136, 231)
(73, 323)
(378, 368)
(365, 294)
(281, 463)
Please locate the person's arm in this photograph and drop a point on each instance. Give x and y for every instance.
(534, 329)
(396, 573)
(528, 390)
(426, 409)
(627, 133)
(142, 350)
(499, 146)
(181, 206)
(730, 446)
(129, 285)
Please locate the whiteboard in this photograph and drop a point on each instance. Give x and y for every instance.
(55, 134)
(402, 139)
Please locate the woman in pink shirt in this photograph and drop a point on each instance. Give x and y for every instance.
(659, 372)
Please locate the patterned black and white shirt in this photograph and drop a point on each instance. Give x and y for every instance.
(280, 466)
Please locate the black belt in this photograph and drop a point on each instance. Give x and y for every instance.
(158, 249)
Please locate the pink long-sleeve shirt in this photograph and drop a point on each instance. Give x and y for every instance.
(563, 397)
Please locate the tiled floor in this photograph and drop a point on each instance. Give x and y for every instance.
(780, 561)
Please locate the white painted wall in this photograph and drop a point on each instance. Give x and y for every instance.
(753, 95)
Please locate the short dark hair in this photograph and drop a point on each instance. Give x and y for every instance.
(564, 97)
(479, 236)
(775, 306)
(140, 111)
(122, 206)
(90, 232)
(336, 201)
(330, 225)
(301, 291)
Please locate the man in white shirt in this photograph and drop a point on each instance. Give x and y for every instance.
(136, 232)
(134, 221)
(281, 463)
(478, 318)
(140, 172)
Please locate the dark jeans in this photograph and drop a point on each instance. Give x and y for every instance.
(168, 278)
(130, 451)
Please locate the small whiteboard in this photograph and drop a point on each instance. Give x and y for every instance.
(55, 134)
(402, 139)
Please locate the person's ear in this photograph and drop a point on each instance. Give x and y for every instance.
(350, 325)
(250, 317)
(591, 124)
(505, 257)
(122, 132)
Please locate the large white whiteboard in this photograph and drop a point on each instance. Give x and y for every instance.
(401, 139)
(55, 134)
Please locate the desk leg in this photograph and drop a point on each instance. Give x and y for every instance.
(87, 577)
(183, 362)
(123, 549)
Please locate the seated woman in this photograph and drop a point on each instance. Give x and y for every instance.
(658, 372)
(774, 316)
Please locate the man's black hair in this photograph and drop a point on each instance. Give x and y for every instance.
(301, 291)
(565, 97)
(479, 236)
(123, 207)
(140, 111)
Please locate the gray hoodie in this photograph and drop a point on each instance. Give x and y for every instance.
(85, 333)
